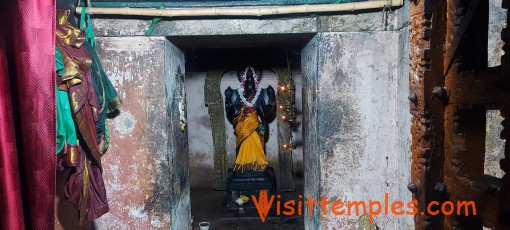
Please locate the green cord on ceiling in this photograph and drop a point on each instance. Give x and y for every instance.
(154, 23)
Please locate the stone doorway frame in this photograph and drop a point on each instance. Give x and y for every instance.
(311, 159)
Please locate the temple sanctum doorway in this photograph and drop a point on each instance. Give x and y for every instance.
(212, 142)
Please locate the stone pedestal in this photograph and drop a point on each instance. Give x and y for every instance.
(249, 183)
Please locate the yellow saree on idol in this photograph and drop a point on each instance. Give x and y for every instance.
(250, 109)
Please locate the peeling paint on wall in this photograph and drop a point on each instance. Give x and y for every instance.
(356, 113)
(137, 157)
(138, 149)
(494, 145)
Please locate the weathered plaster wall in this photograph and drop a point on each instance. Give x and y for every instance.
(139, 172)
(402, 121)
(144, 170)
(345, 22)
(357, 122)
(136, 160)
(200, 136)
(312, 167)
(138, 145)
(177, 175)
(360, 151)
(494, 145)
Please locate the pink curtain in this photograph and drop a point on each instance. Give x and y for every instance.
(27, 114)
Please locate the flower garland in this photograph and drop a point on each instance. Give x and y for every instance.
(240, 90)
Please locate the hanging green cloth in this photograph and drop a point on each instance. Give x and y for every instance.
(108, 99)
(89, 33)
(107, 96)
(66, 132)
(59, 62)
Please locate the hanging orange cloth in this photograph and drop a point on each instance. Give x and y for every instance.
(249, 144)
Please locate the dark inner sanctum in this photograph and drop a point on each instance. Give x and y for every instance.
(219, 203)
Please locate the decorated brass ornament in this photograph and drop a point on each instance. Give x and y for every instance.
(364, 223)
(285, 99)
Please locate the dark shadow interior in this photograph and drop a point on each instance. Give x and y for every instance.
(204, 59)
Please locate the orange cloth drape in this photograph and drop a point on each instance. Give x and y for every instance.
(250, 144)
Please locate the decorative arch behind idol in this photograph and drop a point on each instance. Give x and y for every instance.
(200, 135)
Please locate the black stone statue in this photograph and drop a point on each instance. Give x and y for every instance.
(250, 109)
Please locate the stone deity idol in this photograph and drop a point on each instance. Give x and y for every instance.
(250, 109)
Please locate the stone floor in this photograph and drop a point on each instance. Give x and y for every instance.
(206, 205)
